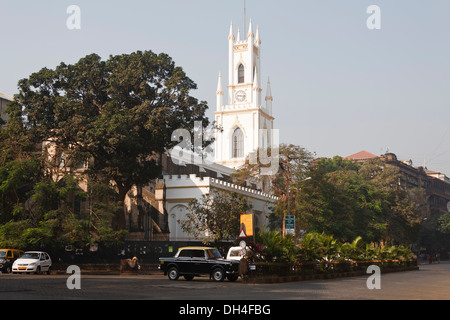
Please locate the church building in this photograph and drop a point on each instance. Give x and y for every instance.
(246, 120)
(246, 123)
(155, 212)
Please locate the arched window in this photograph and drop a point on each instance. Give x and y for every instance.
(241, 72)
(238, 143)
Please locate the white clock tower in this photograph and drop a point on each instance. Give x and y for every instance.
(246, 124)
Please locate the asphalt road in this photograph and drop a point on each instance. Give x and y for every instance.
(431, 282)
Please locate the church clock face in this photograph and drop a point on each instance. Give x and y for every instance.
(240, 95)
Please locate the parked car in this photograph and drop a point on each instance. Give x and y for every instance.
(33, 261)
(235, 253)
(196, 261)
(7, 258)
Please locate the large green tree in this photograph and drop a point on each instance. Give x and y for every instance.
(120, 112)
(293, 162)
(347, 200)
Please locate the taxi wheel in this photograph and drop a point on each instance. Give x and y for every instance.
(173, 273)
(218, 275)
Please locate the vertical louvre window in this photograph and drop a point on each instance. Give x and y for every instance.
(241, 71)
(238, 143)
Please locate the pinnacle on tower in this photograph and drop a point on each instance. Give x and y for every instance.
(219, 85)
(269, 98)
(257, 38)
(231, 34)
(269, 90)
(250, 30)
(219, 93)
(256, 81)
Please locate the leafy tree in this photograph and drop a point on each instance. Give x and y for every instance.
(216, 216)
(53, 217)
(293, 163)
(401, 209)
(20, 169)
(444, 223)
(120, 112)
(345, 200)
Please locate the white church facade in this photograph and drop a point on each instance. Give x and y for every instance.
(246, 124)
(155, 212)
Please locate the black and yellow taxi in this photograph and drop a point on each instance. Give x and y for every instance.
(192, 262)
(7, 258)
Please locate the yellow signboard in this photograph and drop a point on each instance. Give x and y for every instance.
(247, 224)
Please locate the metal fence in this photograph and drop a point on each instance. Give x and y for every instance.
(263, 269)
(145, 251)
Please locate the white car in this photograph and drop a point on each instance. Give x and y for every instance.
(235, 253)
(33, 261)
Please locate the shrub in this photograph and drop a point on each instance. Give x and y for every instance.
(316, 247)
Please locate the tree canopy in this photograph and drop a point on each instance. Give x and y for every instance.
(349, 200)
(340, 197)
(120, 112)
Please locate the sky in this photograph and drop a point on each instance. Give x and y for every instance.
(338, 86)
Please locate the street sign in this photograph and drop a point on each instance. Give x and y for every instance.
(247, 224)
(289, 224)
(242, 244)
(242, 234)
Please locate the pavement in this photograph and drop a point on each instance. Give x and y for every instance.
(430, 282)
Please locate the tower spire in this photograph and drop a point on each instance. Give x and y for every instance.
(269, 98)
(250, 30)
(257, 38)
(231, 34)
(219, 93)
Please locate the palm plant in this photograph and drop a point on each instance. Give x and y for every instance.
(277, 248)
(352, 250)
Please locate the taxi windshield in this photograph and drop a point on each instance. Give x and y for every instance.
(2, 253)
(214, 253)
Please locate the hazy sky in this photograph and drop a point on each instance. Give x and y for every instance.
(338, 87)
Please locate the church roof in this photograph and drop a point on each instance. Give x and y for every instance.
(362, 155)
(6, 96)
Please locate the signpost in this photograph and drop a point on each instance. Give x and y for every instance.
(247, 226)
(290, 224)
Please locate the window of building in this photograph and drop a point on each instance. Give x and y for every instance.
(238, 143)
(241, 72)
